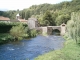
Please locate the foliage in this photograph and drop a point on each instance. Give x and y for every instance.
(27, 33)
(21, 31)
(17, 31)
(47, 19)
(12, 23)
(73, 26)
(60, 12)
(71, 51)
(5, 27)
(33, 33)
(5, 37)
(62, 19)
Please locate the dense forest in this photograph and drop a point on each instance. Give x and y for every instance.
(47, 14)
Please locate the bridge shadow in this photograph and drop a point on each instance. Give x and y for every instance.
(56, 32)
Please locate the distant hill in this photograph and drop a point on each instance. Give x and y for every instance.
(38, 11)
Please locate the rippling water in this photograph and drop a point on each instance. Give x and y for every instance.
(29, 49)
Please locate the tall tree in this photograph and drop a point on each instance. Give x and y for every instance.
(47, 19)
(74, 27)
(62, 19)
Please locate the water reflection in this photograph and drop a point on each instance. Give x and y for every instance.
(29, 49)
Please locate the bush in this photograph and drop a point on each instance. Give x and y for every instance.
(5, 37)
(17, 31)
(33, 33)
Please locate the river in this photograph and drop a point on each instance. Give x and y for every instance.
(30, 48)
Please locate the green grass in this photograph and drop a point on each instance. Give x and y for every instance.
(71, 51)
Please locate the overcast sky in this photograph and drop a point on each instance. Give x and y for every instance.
(21, 4)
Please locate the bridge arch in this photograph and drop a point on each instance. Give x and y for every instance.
(56, 32)
(61, 28)
(49, 29)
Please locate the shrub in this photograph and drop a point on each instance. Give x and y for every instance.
(33, 33)
(17, 31)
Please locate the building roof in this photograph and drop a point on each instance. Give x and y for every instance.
(22, 20)
(32, 19)
(4, 18)
(14, 20)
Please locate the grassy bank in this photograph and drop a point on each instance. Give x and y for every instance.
(71, 51)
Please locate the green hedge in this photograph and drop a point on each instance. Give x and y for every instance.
(5, 27)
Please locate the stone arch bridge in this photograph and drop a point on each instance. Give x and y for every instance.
(33, 24)
(48, 29)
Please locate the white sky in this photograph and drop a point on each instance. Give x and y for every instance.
(21, 4)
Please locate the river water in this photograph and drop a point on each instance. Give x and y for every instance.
(31, 48)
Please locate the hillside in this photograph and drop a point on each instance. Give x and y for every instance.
(60, 13)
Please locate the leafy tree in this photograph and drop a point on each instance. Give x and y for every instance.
(74, 27)
(27, 14)
(17, 31)
(47, 19)
(62, 19)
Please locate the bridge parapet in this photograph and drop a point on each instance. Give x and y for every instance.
(63, 29)
(48, 29)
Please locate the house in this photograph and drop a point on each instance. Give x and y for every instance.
(18, 19)
(32, 23)
(15, 20)
(4, 19)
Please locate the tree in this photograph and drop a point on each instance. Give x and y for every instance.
(74, 27)
(62, 19)
(17, 31)
(47, 19)
(27, 15)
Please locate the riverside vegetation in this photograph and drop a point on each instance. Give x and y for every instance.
(14, 32)
(71, 49)
(46, 14)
